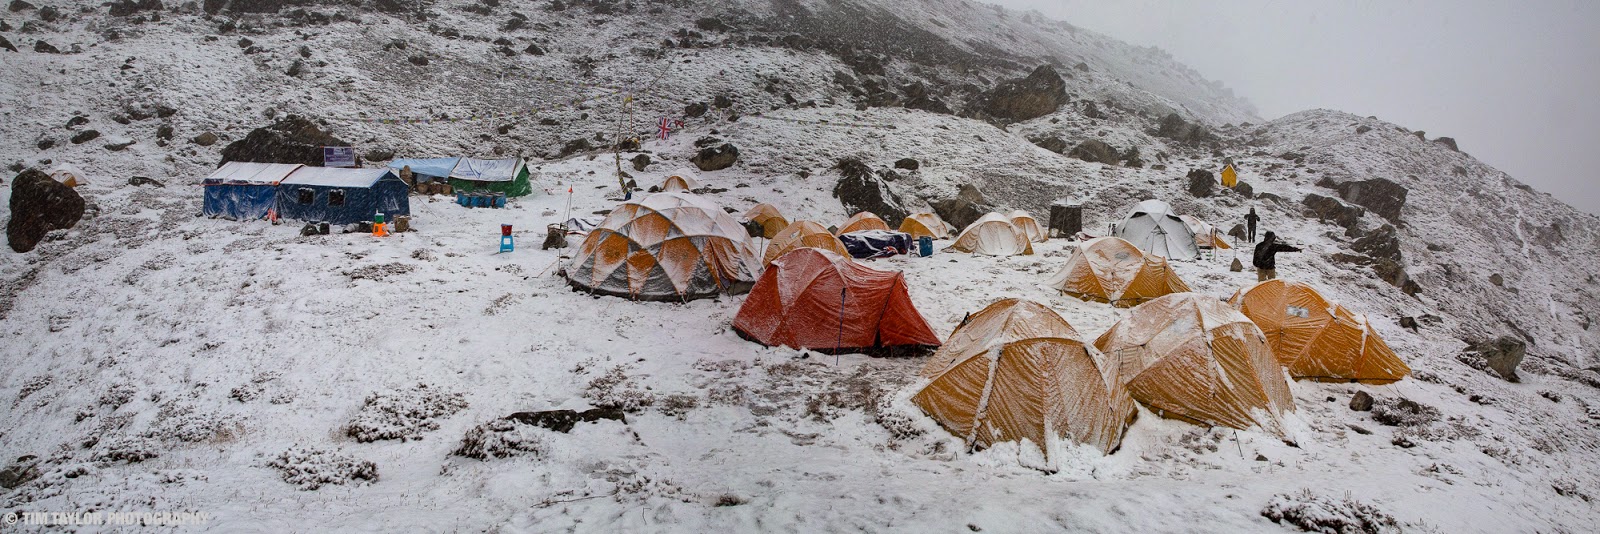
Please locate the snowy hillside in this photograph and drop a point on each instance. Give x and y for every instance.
(160, 361)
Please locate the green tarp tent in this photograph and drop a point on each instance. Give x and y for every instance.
(509, 176)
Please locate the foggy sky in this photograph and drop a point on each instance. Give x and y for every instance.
(1517, 84)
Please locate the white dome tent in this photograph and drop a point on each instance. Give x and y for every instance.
(1152, 227)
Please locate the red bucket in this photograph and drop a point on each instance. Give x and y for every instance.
(505, 229)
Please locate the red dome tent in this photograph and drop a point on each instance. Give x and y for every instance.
(797, 303)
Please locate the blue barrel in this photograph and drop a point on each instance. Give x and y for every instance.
(481, 201)
(461, 198)
(499, 200)
(925, 246)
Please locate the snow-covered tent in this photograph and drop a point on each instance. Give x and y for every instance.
(1029, 226)
(426, 169)
(342, 196)
(665, 246)
(864, 220)
(1318, 339)
(801, 234)
(244, 190)
(925, 224)
(1016, 370)
(1192, 357)
(1153, 227)
(1205, 235)
(815, 299)
(1107, 269)
(768, 217)
(993, 235)
(508, 175)
(681, 180)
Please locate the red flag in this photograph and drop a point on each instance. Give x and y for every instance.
(569, 189)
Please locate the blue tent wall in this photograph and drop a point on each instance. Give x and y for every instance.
(239, 201)
(388, 195)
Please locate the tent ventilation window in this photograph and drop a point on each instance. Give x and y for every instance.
(305, 195)
(336, 197)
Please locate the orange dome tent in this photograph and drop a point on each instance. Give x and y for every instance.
(768, 217)
(1318, 339)
(1205, 235)
(1108, 269)
(993, 235)
(802, 234)
(665, 246)
(1191, 357)
(680, 180)
(1017, 370)
(865, 220)
(925, 224)
(1030, 226)
(816, 299)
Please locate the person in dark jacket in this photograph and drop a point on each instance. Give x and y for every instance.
(1250, 221)
(1266, 256)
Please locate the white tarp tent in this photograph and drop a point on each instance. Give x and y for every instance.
(1154, 228)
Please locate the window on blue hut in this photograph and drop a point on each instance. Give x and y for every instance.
(336, 197)
(304, 195)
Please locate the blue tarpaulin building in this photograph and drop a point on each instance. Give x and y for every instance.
(242, 190)
(342, 196)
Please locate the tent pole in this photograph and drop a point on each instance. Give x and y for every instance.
(838, 342)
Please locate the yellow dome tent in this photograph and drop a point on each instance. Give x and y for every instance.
(1317, 339)
(925, 224)
(1108, 269)
(665, 246)
(1192, 357)
(768, 217)
(865, 220)
(680, 180)
(801, 234)
(993, 235)
(1016, 370)
(1030, 226)
(1230, 177)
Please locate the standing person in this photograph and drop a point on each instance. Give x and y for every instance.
(1266, 256)
(1250, 221)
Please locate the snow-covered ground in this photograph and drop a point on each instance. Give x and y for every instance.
(158, 361)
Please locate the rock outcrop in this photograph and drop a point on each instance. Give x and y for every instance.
(291, 140)
(862, 189)
(1040, 93)
(40, 204)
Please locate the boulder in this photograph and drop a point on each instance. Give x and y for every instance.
(1409, 322)
(1331, 209)
(1095, 150)
(564, 420)
(25, 469)
(205, 139)
(6, 44)
(144, 180)
(40, 204)
(1448, 143)
(695, 110)
(907, 164)
(1201, 183)
(640, 162)
(862, 189)
(917, 96)
(291, 140)
(722, 102)
(1502, 355)
(1497, 280)
(125, 8)
(1383, 243)
(716, 158)
(961, 210)
(18, 5)
(45, 48)
(1238, 231)
(1051, 143)
(1236, 266)
(379, 154)
(1244, 189)
(1092, 111)
(1040, 93)
(85, 136)
(1361, 402)
(1381, 195)
(1175, 128)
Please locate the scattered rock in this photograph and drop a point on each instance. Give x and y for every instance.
(1175, 128)
(1092, 111)
(1361, 402)
(1409, 322)
(1497, 280)
(1448, 143)
(420, 61)
(1363, 129)
(291, 140)
(1051, 143)
(696, 109)
(1095, 150)
(379, 154)
(1244, 189)
(961, 210)
(1403, 412)
(1331, 209)
(45, 48)
(573, 147)
(1381, 195)
(1383, 243)
(119, 144)
(722, 102)
(1502, 355)
(533, 50)
(564, 420)
(6, 44)
(125, 8)
(46, 143)
(85, 136)
(40, 204)
(143, 180)
(716, 158)
(861, 189)
(1236, 266)
(1359, 429)
(640, 162)
(205, 139)
(1041, 93)
(1201, 183)
(19, 5)
(1238, 231)
(165, 131)
(907, 164)
(26, 468)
